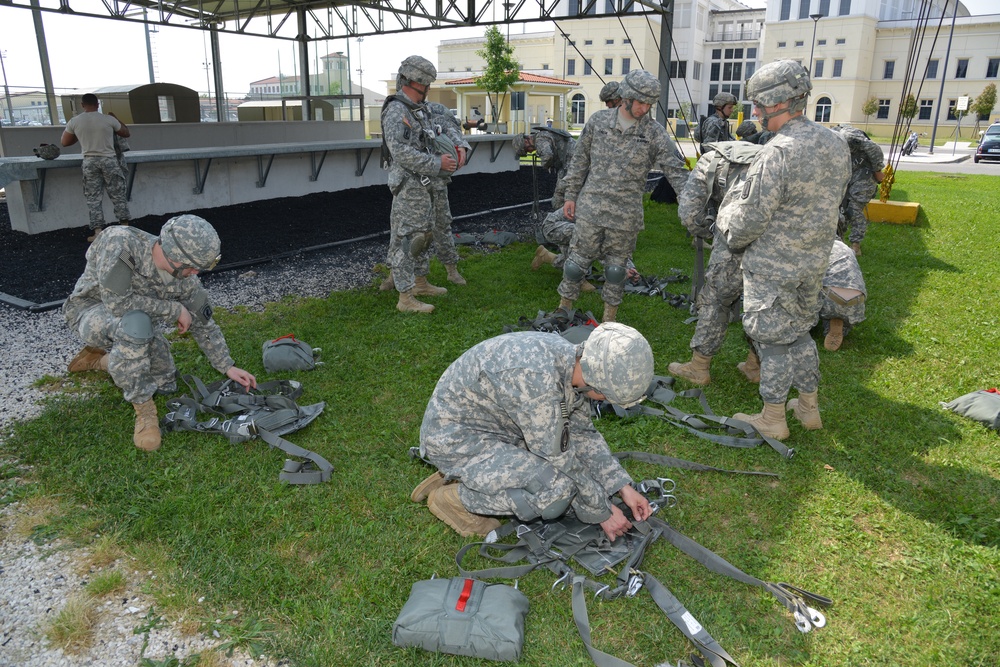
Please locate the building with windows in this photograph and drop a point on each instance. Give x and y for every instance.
(333, 80)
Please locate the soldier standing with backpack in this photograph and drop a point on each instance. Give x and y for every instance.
(716, 127)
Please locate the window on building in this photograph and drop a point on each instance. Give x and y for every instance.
(588, 42)
(752, 53)
(517, 101)
(838, 67)
(609, 41)
(544, 66)
(737, 53)
(716, 54)
(781, 45)
(823, 106)
(626, 65)
(729, 54)
(888, 69)
(626, 41)
(713, 72)
(824, 7)
(883, 109)
(820, 42)
(751, 68)
(588, 67)
(991, 68)
(818, 68)
(609, 66)
(804, 9)
(926, 109)
(962, 69)
(578, 109)
(713, 90)
(571, 67)
(733, 88)
(932, 66)
(696, 71)
(845, 7)
(841, 40)
(678, 69)
(786, 10)
(799, 42)
(951, 109)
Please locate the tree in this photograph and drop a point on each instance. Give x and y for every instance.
(501, 70)
(909, 108)
(868, 108)
(983, 105)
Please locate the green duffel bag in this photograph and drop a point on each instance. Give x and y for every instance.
(287, 353)
(463, 616)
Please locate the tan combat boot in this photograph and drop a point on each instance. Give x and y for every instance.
(147, 426)
(587, 287)
(408, 304)
(835, 336)
(423, 288)
(388, 284)
(751, 367)
(542, 256)
(610, 313)
(856, 247)
(445, 504)
(695, 371)
(454, 276)
(96, 232)
(424, 489)
(770, 421)
(565, 304)
(89, 359)
(806, 410)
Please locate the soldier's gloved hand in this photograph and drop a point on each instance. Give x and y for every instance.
(448, 163)
(183, 320)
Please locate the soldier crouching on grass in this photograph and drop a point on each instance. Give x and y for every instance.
(133, 282)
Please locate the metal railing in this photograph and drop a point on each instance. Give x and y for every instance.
(734, 36)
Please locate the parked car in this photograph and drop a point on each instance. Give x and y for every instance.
(989, 145)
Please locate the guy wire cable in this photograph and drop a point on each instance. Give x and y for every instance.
(663, 64)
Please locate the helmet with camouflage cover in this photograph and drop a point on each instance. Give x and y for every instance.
(523, 144)
(640, 85)
(419, 69)
(746, 128)
(617, 362)
(777, 82)
(722, 99)
(191, 241)
(610, 91)
(46, 151)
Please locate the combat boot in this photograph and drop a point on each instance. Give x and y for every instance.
(454, 276)
(445, 504)
(770, 421)
(424, 489)
(695, 371)
(751, 367)
(565, 304)
(806, 410)
(856, 247)
(388, 284)
(542, 256)
(147, 426)
(610, 313)
(587, 287)
(94, 233)
(408, 304)
(89, 359)
(835, 336)
(423, 288)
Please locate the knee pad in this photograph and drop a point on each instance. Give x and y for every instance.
(415, 244)
(615, 274)
(137, 325)
(573, 272)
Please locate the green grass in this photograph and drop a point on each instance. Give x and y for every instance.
(892, 510)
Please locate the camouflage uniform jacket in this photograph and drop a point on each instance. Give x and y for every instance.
(607, 176)
(517, 388)
(714, 128)
(844, 270)
(445, 123)
(554, 151)
(408, 130)
(116, 250)
(785, 215)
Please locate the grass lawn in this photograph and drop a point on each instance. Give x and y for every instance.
(892, 510)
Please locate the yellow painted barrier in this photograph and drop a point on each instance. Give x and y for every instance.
(895, 212)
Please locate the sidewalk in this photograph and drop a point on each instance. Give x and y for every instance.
(949, 153)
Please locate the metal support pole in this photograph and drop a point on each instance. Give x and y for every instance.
(666, 25)
(812, 48)
(6, 89)
(43, 61)
(221, 107)
(944, 75)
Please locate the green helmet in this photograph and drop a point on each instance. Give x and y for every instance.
(617, 362)
(779, 81)
(191, 241)
(610, 91)
(722, 99)
(47, 151)
(640, 85)
(520, 144)
(419, 69)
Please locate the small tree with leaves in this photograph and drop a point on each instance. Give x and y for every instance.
(501, 70)
(869, 108)
(909, 108)
(983, 105)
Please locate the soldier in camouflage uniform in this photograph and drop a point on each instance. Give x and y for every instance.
(716, 127)
(867, 163)
(605, 184)
(136, 284)
(419, 164)
(784, 221)
(722, 168)
(446, 125)
(610, 94)
(842, 301)
(509, 421)
(95, 132)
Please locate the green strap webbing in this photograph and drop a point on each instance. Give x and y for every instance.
(660, 459)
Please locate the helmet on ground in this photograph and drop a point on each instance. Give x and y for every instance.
(191, 241)
(640, 85)
(610, 91)
(46, 151)
(520, 144)
(779, 81)
(419, 69)
(746, 128)
(722, 99)
(617, 362)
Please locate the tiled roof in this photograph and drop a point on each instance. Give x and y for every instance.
(523, 77)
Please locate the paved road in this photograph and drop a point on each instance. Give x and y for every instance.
(947, 159)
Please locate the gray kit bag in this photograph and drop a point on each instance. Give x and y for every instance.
(287, 353)
(463, 616)
(981, 406)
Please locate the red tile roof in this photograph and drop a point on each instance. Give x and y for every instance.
(523, 77)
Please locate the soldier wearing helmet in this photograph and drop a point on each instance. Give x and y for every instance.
(716, 126)
(609, 94)
(508, 427)
(604, 187)
(136, 285)
(421, 147)
(867, 163)
(784, 221)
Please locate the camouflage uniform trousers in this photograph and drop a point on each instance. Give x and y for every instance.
(100, 173)
(138, 367)
(444, 239)
(557, 230)
(613, 247)
(859, 193)
(778, 314)
(831, 310)
(413, 212)
(723, 287)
